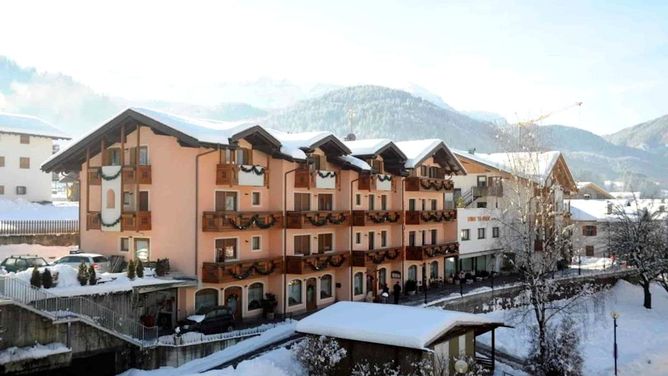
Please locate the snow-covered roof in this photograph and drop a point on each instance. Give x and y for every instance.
(536, 166)
(355, 162)
(417, 150)
(30, 125)
(387, 324)
(292, 143)
(597, 210)
(367, 147)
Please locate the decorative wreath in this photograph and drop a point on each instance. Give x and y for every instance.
(326, 174)
(257, 170)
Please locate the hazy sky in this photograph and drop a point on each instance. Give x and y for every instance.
(519, 59)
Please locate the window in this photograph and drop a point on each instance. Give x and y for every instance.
(243, 156)
(372, 240)
(295, 292)
(589, 250)
(383, 239)
(433, 270)
(358, 199)
(325, 202)
(255, 198)
(495, 232)
(226, 201)
(411, 204)
(317, 165)
(436, 172)
(206, 298)
(466, 234)
(424, 171)
(143, 201)
(226, 249)
(2, 161)
(482, 181)
(255, 243)
(143, 156)
(24, 162)
(2, 189)
(382, 276)
(377, 166)
(434, 236)
(358, 238)
(111, 199)
(325, 243)
(481, 233)
(481, 204)
(128, 201)
(411, 238)
(142, 249)
(412, 273)
(326, 286)
(25, 139)
(21, 190)
(372, 202)
(589, 230)
(424, 204)
(358, 283)
(114, 157)
(303, 245)
(383, 202)
(424, 237)
(302, 202)
(125, 244)
(434, 204)
(255, 294)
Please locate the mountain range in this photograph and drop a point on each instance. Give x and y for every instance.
(636, 153)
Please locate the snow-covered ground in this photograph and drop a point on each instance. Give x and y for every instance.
(591, 263)
(14, 354)
(22, 209)
(642, 335)
(50, 253)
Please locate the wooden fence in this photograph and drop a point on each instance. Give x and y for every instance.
(38, 227)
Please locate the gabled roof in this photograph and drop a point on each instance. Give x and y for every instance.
(387, 324)
(417, 151)
(295, 145)
(394, 159)
(593, 186)
(29, 125)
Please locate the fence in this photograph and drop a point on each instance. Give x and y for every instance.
(61, 307)
(38, 227)
(195, 338)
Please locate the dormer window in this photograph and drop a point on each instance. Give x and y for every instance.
(378, 166)
(243, 156)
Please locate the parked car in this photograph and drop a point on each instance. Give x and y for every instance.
(208, 320)
(100, 263)
(23, 262)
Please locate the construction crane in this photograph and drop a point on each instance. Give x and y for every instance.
(547, 115)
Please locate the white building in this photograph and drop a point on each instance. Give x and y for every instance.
(25, 142)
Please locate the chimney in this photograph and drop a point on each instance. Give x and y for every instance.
(472, 151)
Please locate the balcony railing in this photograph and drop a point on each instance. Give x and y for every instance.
(137, 174)
(244, 175)
(216, 221)
(495, 190)
(319, 179)
(423, 252)
(419, 183)
(375, 217)
(306, 219)
(417, 217)
(136, 221)
(376, 256)
(299, 264)
(230, 271)
(375, 182)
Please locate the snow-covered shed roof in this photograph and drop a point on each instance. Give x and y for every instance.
(388, 324)
(417, 151)
(29, 125)
(608, 210)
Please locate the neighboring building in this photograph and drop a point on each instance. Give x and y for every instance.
(250, 210)
(588, 190)
(26, 142)
(404, 336)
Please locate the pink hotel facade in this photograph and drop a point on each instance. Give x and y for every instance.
(248, 210)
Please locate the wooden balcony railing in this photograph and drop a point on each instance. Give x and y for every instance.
(137, 174)
(244, 175)
(319, 179)
(372, 257)
(93, 221)
(306, 219)
(375, 217)
(136, 221)
(419, 183)
(230, 271)
(418, 217)
(423, 252)
(316, 262)
(375, 182)
(232, 221)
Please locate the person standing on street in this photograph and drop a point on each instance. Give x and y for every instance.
(396, 292)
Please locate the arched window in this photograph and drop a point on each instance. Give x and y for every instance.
(382, 277)
(412, 273)
(111, 199)
(326, 286)
(206, 298)
(295, 292)
(358, 283)
(433, 270)
(255, 294)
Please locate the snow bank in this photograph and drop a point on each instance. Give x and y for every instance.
(14, 354)
(19, 209)
(279, 362)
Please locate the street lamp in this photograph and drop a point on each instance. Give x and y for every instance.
(461, 367)
(615, 316)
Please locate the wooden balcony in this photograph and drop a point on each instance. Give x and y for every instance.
(296, 219)
(319, 179)
(244, 175)
(430, 216)
(488, 191)
(234, 221)
(137, 174)
(231, 271)
(424, 252)
(375, 182)
(93, 221)
(94, 177)
(316, 262)
(376, 256)
(375, 217)
(419, 183)
(136, 221)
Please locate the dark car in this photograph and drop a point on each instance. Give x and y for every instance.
(208, 320)
(21, 263)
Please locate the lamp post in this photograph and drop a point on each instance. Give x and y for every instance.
(615, 316)
(461, 367)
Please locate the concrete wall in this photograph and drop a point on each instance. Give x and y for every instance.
(37, 183)
(46, 240)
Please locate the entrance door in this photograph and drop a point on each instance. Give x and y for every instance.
(311, 289)
(233, 300)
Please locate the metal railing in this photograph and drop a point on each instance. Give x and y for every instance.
(65, 307)
(196, 338)
(38, 227)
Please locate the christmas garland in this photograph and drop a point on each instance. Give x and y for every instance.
(265, 225)
(260, 271)
(337, 221)
(112, 224)
(243, 275)
(108, 178)
(257, 170)
(255, 219)
(318, 222)
(317, 267)
(253, 268)
(444, 185)
(329, 261)
(378, 259)
(326, 174)
(383, 178)
(342, 259)
(395, 254)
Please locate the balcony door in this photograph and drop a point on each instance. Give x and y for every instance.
(303, 245)
(325, 243)
(302, 202)
(226, 250)
(325, 202)
(143, 201)
(372, 240)
(311, 296)
(226, 201)
(372, 202)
